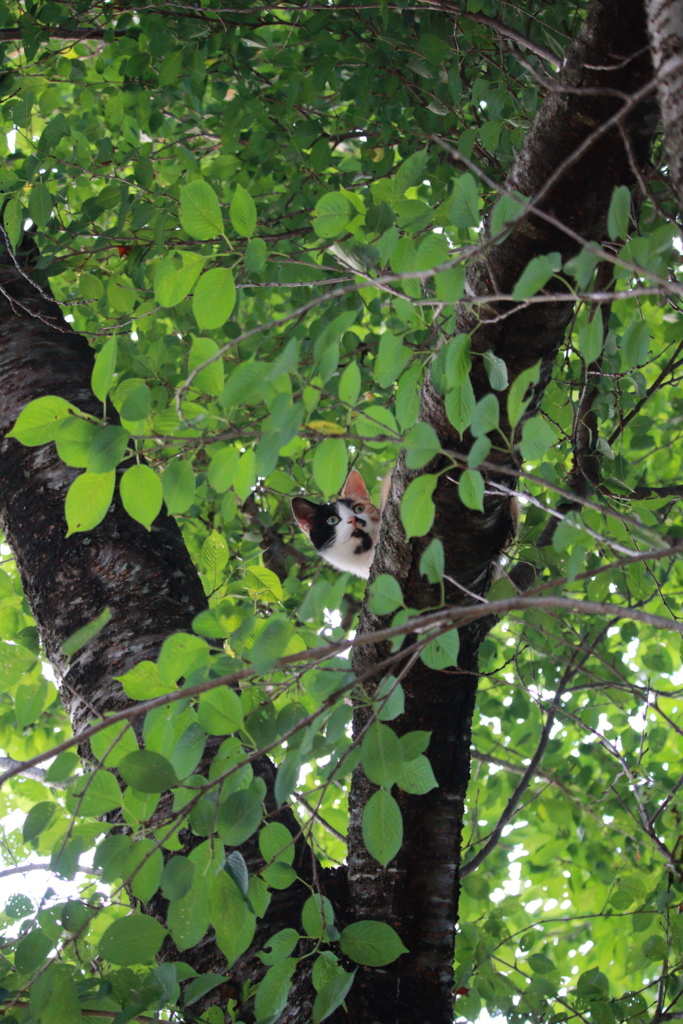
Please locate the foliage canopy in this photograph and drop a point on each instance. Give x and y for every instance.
(261, 217)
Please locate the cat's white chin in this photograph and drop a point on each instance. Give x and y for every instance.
(359, 565)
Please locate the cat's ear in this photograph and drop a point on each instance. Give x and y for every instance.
(304, 511)
(355, 488)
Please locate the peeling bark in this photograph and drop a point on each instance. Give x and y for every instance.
(665, 25)
(418, 892)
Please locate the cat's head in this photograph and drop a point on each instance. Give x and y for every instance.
(343, 531)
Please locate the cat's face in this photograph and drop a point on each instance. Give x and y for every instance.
(344, 531)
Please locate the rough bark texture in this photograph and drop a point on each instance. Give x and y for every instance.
(665, 25)
(418, 893)
(146, 578)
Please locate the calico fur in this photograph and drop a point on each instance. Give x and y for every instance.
(344, 531)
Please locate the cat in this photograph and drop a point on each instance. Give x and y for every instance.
(345, 531)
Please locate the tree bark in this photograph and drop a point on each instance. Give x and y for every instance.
(665, 25)
(418, 892)
(146, 579)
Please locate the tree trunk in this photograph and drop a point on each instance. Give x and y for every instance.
(665, 25)
(418, 892)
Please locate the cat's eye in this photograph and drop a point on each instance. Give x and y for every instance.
(359, 508)
(333, 520)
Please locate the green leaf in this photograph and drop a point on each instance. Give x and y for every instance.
(175, 276)
(442, 651)
(211, 378)
(108, 448)
(471, 489)
(496, 371)
(256, 256)
(416, 776)
(619, 214)
(382, 827)
(178, 486)
(537, 437)
(459, 404)
(103, 370)
(463, 211)
(40, 204)
(222, 468)
(95, 793)
(389, 699)
(263, 584)
(238, 817)
(540, 963)
(137, 404)
(450, 284)
(333, 213)
(220, 711)
(479, 452)
(280, 946)
(135, 939)
(85, 634)
(635, 344)
(13, 220)
(200, 213)
(507, 210)
(112, 744)
(392, 357)
(485, 416)
(349, 383)
(381, 754)
(536, 275)
(432, 561)
(200, 986)
(214, 556)
(385, 595)
(188, 751)
(330, 465)
(317, 916)
(214, 299)
(411, 171)
(147, 771)
(432, 252)
(243, 212)
(177, 878)
(371, 943)
(276, 843)
(273, 990)
(417, 507)
(287, 778)
(32, 951)
(181, 654)
(40, 420)
(88, 500)
(518, 399)
(141, 494)
(332, 995)
(63, 1004)
(143, 682)
(590, 339)
(37, 820)
(422, 445)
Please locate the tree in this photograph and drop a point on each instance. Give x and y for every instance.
(244, 250)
